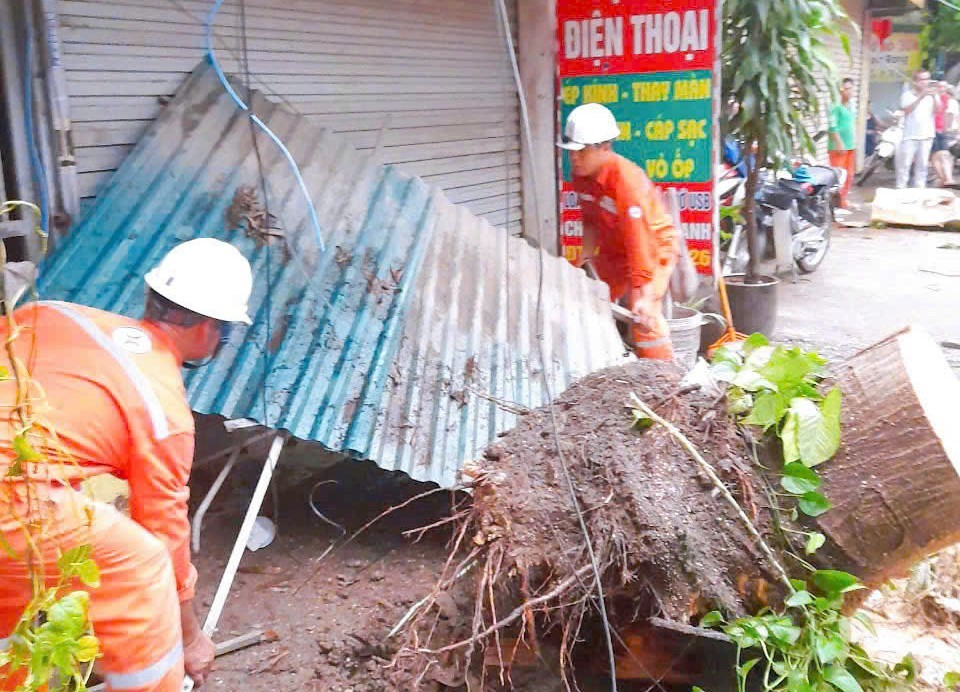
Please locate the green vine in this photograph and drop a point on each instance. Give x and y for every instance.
(53, 641)
(53, 646)
(807, 646)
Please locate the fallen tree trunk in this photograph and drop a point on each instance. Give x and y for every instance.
(667, 542)
(895, 483)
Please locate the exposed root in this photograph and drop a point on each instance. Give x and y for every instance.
(517, 613)
(665, 544)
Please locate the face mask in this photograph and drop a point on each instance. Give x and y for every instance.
(226, 331)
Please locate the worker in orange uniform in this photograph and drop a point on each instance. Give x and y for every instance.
(627, 234)
(110, 390)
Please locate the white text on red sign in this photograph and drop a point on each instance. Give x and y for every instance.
(670, 32)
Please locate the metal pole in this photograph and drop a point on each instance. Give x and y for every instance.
(230, 572)
(210, 496)
(60, 111)
(256, 502)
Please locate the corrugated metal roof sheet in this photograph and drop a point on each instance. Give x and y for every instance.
(411, 342)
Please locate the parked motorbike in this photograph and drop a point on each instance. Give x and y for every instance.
(730, 190)
(885, 152)
(807, 198)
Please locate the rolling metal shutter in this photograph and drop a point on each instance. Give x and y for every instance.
(419, 83)
(852, 66)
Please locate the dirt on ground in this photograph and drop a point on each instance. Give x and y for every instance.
(327, 613)
(329, 617)
(666, 544)
(660, 544)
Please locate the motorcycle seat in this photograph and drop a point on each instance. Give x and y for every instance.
(781, 194)
(822, 176)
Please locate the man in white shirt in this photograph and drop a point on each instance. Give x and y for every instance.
(918, 103)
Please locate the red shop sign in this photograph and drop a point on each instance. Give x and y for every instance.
(627, 36)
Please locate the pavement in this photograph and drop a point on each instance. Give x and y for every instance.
(873, 282)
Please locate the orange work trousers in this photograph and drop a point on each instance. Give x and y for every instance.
(652, 342)
(135, 611)
(846, 160)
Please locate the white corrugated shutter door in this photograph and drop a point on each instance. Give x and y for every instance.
(848, 65)
(426, 83)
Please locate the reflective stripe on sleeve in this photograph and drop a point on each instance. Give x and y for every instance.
(652, 344)
(145, 676)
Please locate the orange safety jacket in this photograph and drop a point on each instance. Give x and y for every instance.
(110, 392)
(636, 238)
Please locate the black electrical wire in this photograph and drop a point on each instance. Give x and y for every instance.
(268, 302)
(598, 581)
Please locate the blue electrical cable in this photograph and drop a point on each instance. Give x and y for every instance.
(39, 174)
(208, 25)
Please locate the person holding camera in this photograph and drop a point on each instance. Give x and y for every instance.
(919, 129)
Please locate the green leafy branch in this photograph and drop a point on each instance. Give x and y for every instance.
(774, 388)
(734, 212)
(807, 648)
(730, 217)
(53, 639)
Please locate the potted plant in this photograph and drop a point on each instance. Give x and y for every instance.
(775, 64)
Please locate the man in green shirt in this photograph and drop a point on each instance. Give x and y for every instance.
(843, 137)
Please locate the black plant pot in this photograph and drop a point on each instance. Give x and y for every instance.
(753, 305)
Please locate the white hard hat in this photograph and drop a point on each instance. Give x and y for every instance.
(590, 123)
(207, 276)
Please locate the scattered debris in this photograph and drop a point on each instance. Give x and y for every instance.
(919, 208)
(262, 535)
(260, 569)
(342, 257)
(270, 665)
(247, 211)
(919, 615)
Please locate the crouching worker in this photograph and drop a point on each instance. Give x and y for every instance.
(627, 234)
(108, 397)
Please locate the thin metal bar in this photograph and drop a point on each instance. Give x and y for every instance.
(12, 86)
(59, 108)
(208, 499)
(226, 582)
(230, 572)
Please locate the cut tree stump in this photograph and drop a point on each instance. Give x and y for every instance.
(895, 483)
(666, 542)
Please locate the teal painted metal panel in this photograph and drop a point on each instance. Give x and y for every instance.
(412, 342)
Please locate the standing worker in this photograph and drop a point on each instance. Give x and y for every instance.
(843, 138)
(110, 398)
(627, 234)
